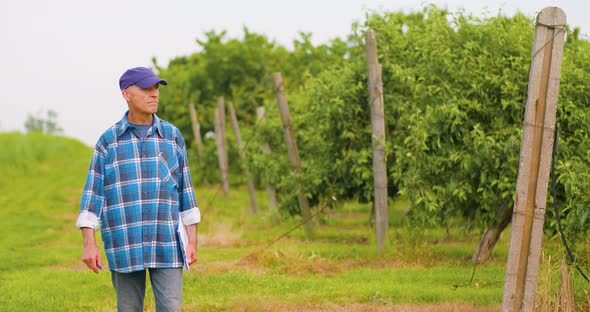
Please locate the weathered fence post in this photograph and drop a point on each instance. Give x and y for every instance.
(196, 131)
(522, 268)
(270, 189)
(378, 140)
(251, 190)
(221, 144)
(293, 153)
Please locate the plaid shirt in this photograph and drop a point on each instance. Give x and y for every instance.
(136, 187)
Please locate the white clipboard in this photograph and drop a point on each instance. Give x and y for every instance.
(183, 238)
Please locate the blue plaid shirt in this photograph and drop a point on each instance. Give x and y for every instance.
(137, 188)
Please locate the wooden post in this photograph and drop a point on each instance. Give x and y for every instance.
(522, 267)
(196, 131)
(293, 152)
(221, 144)
(270, 189)
(378, 141)
(234, 123)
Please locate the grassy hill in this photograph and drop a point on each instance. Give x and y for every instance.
(40, 268)
(42, 179)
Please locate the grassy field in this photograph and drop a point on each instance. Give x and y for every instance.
(40, 268)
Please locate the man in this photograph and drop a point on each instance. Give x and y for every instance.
(139, 190)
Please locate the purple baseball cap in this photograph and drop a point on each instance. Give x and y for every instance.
(140, 76)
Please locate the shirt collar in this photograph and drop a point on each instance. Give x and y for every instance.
(124, 125)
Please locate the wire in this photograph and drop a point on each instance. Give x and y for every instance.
(278, 238)
(570, 256)
(455, 286)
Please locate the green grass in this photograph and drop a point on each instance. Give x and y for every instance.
(40, 268)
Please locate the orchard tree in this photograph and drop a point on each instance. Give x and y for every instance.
(240, 69)
(46, 124)
(454, 89)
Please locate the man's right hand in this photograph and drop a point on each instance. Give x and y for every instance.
(91, 254)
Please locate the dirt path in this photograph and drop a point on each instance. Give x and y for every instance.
(444, 307)
(222, 236)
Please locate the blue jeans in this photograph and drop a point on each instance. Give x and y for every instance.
(130, 289)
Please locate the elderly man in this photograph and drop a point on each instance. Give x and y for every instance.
(139, 192)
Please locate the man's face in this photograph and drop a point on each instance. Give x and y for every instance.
(142, 100)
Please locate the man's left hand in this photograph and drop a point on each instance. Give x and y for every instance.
(191, 248)
(191, 254)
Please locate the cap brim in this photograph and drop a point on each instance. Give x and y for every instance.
(150, 81)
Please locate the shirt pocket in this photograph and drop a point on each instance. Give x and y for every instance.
(166, 166)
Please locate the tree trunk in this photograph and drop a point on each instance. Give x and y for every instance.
(483, 252)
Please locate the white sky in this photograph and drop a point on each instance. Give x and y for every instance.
(67, 55)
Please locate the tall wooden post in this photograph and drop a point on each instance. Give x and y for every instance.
(378, 140)
(234, 123)
(293, 152)
(221, 144)
(270, 189)
(196, 131)
(522, 267)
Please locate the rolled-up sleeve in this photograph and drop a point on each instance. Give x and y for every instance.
(191, 216)
(87, 219)
(93, 195)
